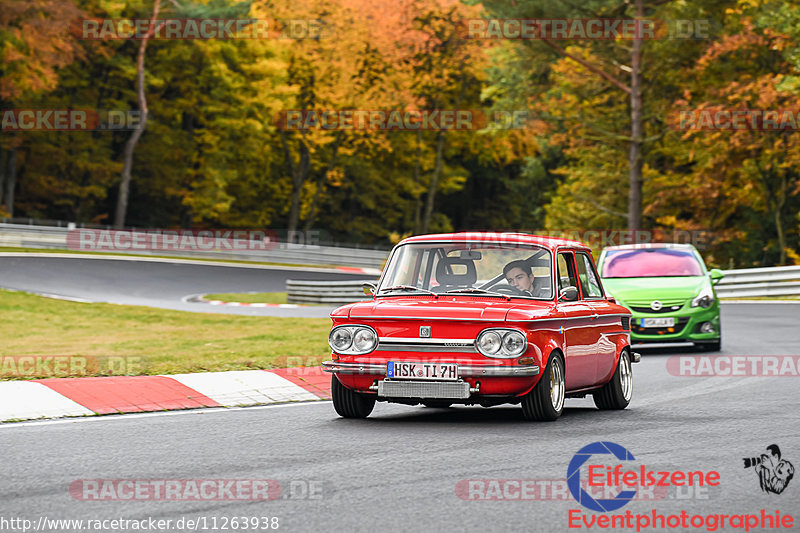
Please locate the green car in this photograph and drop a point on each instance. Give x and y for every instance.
(668, 290)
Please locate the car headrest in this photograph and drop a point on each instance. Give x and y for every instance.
(447, 275)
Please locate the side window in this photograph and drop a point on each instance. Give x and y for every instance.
(566, 272)
(589, 281)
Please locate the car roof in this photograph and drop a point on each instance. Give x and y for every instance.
(651, 245)
(496, 237)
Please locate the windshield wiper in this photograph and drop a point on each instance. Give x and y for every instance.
(408, 288)
(477, 290)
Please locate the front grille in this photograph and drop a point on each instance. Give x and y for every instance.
(665, 309)
(646, 303)
(455, 390)
(680, 323)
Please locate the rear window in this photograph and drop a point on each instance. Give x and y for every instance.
(650, 262)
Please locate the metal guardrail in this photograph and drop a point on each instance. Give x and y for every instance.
(760, 282)
(53, 237)
(741, 283)
(326, 292)
(738, 283)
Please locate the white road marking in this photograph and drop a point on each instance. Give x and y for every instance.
(132, 416)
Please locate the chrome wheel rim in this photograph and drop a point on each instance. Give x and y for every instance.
(626, 376)
(556, 385)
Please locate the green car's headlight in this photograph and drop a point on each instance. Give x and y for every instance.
(705, 298)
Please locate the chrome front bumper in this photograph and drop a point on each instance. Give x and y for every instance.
(464, 371)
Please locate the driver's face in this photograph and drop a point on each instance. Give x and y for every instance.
(519, 279)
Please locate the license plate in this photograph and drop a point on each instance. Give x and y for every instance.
(406, 370)
(666, 322)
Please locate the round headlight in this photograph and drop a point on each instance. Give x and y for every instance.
(513, 343)
(490, 342)
(364, 340)
(341, 339)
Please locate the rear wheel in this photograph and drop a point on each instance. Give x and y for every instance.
(348, 403)
(546, 401)
(616, 394)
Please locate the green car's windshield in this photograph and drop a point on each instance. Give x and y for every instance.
(651, 262)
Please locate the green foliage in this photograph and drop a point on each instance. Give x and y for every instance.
(212, 155)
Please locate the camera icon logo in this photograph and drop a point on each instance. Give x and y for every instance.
(774, 473)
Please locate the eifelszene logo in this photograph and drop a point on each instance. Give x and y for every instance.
(622, 483)
(774, 473)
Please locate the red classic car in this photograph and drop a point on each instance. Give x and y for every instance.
(483, 318)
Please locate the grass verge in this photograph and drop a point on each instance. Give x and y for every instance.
(250, 297)
(106, 339)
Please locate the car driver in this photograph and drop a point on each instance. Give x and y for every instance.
(519, 275)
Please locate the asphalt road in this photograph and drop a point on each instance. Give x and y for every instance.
(398, 470)
(158, 284)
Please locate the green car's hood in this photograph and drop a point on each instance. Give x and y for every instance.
(636, 289)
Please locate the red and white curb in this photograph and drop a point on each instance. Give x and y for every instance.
(63, 397)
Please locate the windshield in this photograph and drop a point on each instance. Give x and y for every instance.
(475, 269)
(650, 262)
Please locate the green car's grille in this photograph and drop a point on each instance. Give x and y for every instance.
(665, 309)
(646, 303)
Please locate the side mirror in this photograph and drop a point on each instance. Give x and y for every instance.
(568, 294)
(369, 289)
(716, 275)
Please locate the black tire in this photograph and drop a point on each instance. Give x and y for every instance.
(348, 403)
(546, 401)
(617, 393)
(714, 346)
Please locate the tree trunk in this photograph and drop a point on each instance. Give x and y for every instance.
(125, 178)
(299, 173)
(637, 130)
(417, 197)
(437, 172)
(11, 182)
(780, 200)
(312, 212)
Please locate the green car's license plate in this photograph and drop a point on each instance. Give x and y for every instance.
(666, 322)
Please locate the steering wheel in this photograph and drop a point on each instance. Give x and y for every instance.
(507, 289)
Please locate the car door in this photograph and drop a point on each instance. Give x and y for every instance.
(579, 335)
(605, 321)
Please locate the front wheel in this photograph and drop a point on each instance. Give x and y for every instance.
(616, 394)
(713, 346)
(348, 403)
(546, 401)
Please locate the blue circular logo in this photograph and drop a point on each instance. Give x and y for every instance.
(574, 477)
